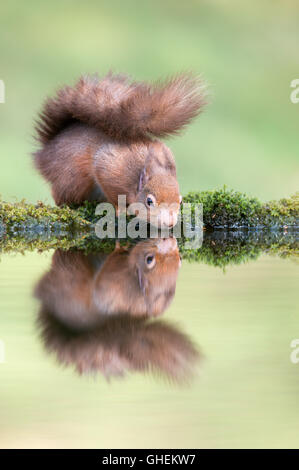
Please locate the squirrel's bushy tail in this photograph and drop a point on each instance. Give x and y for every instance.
(124, 109)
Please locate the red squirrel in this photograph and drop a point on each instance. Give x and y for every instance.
(98, 311)
(99, 140)
(137, 281)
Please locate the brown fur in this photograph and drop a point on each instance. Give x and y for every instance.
(94, 311)
(98, 138)
(124, 109)
(122, 344)
(84, 289)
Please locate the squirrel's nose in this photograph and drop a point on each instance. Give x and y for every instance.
(167, 245)
(174, 219)
(168, 219)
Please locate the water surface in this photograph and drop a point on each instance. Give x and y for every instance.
(210, 368)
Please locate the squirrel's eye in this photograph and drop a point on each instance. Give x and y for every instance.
(150, 200)
(150, 261)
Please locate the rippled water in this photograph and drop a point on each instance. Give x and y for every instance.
(210, 367)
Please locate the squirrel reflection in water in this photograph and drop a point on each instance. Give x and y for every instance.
(97, 311)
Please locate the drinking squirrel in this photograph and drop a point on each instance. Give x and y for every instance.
(99, 140)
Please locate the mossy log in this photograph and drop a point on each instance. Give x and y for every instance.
(238, 228)
(221, 209)
(220, 248)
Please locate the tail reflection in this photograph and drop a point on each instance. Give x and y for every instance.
(96, 311)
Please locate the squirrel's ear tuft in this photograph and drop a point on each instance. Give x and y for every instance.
(142, 179)
(142, 281)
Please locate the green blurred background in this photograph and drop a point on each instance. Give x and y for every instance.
(248, 53)
(244, 321)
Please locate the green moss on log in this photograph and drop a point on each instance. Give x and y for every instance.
(221, 209)
(21, 215)
(231, 209)
(220, 248)
(224, 248)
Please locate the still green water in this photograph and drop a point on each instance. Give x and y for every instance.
(242, 390)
